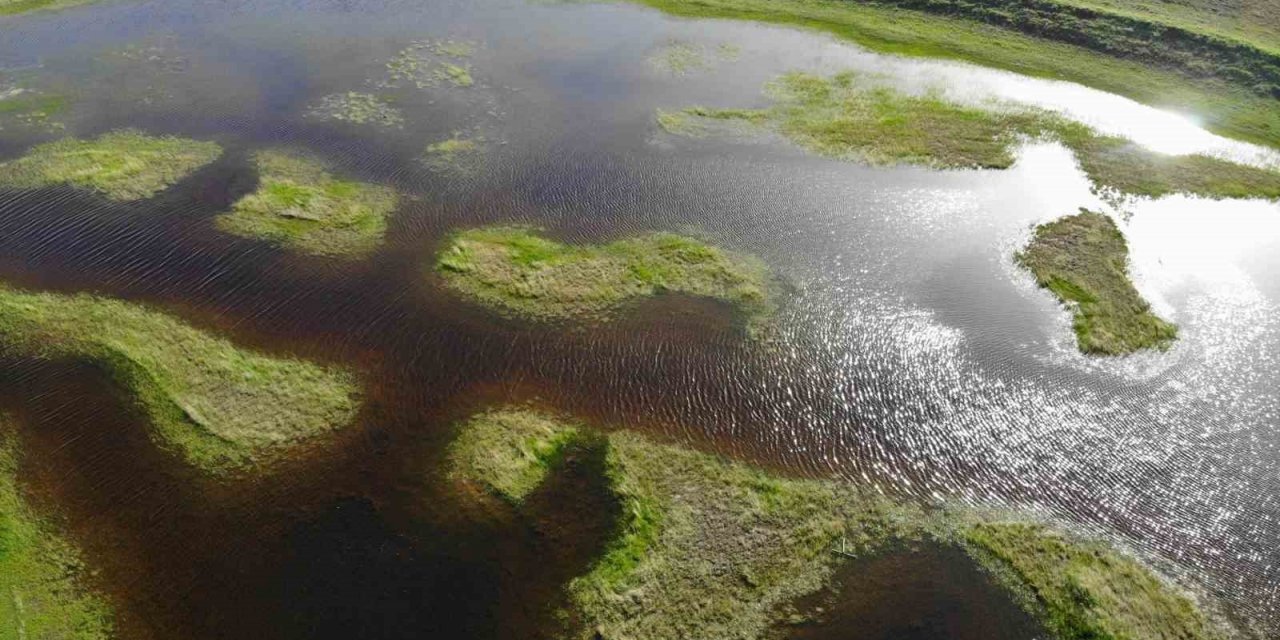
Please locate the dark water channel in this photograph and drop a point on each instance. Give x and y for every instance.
(912, 355)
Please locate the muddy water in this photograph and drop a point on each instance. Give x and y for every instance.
(911, 353)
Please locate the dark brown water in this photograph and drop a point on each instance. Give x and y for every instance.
(911, 355)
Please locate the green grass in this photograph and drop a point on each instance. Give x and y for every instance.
(680, 58)
(509, 452)
(1255, 22)
(15, 7)
(1224, 107)
(518, 271)
(223, 408)
(851, 117)
(42, 590)
(457, 155)
(426, 64)
(122, 165)
(1084, 590)
(1083, 260)
(302, 206)
(358, 108)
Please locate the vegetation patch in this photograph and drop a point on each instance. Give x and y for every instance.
(301, 205)
(680, 58)
(431, 63)
(509, 452)
(1083, 589)
(1229, 104)
(850, 117)
(222, 407)
(358, 108)
(457, 155)
(42, 590)
(1083, 260)
(122, 165)
(15, 7)
(23, 109)
(519, 271)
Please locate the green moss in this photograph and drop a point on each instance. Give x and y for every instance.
(457, 155)
(15, 7)
(42, 590)
(1226, 108)
(509, 451)
(357, 108)
(516, 270)
(302, 206)
(222, 407)
(1085, 590)
(122, 165)
(1083, 260)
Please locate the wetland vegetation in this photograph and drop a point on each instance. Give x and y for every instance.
(302, 206)
(221, 407)
(43, 589)
(358, 108)
(15, 7)
(1084, 260)
(121, 165)
(518, 270)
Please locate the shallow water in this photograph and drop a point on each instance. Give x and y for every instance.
(912, 353)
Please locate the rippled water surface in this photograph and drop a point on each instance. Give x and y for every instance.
(913, 354)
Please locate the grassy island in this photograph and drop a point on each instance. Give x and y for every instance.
(709, 548)
(519, 271)
(122, 165)
(850, 117)
(1083, 260)
(222, 407)
(302, 206)
(42, 590)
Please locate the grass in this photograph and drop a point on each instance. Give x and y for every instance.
(221, 407)
(709, 548)
(1083, 260)
(516, 270)
(457, 155)
(1225, 107)
(1084, 590)
(1251, 21)
(15, 7)
(122, 165)
(32, 110)
(429, 63)
(509, 452)
(302, 206)
(358, 108)
(850, 117)
(42, 590)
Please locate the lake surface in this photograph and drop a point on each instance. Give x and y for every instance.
(912, 354)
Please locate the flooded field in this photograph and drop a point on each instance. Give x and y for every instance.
(907, 352)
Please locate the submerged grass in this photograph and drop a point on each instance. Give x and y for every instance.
(31, 110)
(302, 206)
(42, 590)
(357, 108)
(222, 407)
(1083, 260)
(849, 117)
(709, 548)
(122, 165)
(516, 270)
(457, 155)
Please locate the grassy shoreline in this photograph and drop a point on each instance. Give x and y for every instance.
(223, 408)
(1083, 260)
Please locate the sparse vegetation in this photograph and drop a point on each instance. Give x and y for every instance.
(457, 155)
(31, 110)
(41, 573)
(1083, 260)
(357, 108)
(680, 58)
(222, 407)
(122, 165)
(15, 7)
(302, 206)
(509, 452)
(428, 63)
(1083, 589)
(516, 270)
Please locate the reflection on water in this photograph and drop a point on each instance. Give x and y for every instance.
(912, 355)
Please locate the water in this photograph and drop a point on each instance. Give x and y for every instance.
(913, 354)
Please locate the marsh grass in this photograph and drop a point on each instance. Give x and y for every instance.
(509, 452)
(357, 108)
(31, 110)
(516, 270)
(15, 7)
(1084, 590)
(302, 206)
(1083, 260)
(429, 63)
(850, 117)
(122, 165)
(458, 155)
(221, 407)
(42, 589)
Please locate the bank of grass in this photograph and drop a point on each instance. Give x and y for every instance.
(709, 548)
(42, 589)
(1224, 107)
(851, 117)
(302, 206)
(223, 408)
(516, 270)
(15, 7)
(509, 452)
(122, 165)
(1084, 590)
(1083, 259)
